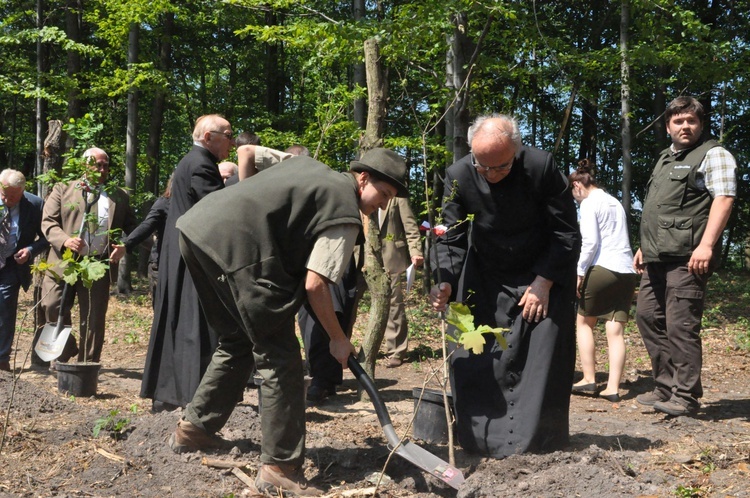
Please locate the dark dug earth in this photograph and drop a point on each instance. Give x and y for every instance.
(619, 449)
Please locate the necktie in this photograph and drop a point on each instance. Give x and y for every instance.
(6, 245)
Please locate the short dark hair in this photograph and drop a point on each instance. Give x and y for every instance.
(683, 105)
(247, 138)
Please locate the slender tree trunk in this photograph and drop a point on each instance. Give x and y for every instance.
(375, 275)
(360, 75)
(155, 126)
(42, 67)
(627, 160)
(273, 71)
(460, 118)
(589, 129)
(73, 13)
(158, 107)
(124, 284)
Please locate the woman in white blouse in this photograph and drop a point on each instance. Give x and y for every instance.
(606, 280)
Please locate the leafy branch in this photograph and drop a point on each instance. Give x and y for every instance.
(470, 337)
(86, 268)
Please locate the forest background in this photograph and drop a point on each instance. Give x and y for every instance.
(586, 79)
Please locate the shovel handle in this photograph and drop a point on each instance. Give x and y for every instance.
(372, 391)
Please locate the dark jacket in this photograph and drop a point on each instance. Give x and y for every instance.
(29, 235)
(155, 221)
(263, 231)
(524, 224)
(181, 343)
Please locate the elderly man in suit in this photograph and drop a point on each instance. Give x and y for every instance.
(401, 244)
(21, 239)
(63, 215)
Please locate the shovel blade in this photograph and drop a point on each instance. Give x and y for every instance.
(52, 342)
(431, 464)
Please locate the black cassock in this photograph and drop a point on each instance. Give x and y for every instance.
(181, 343)
(516, 400)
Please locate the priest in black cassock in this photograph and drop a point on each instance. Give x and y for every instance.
(182, 343)
(514, 264)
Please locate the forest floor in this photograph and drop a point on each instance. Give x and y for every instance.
(49, 446)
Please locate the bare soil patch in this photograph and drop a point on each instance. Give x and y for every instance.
(619, 449)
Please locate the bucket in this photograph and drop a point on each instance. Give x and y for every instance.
(78, 379)
(429, 416)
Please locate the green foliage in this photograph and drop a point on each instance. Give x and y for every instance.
(689, 492)
(470, 337)
(87, 269)
(132, 337)
(113, 423)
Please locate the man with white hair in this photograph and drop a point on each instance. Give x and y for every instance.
(21, 239)
(227, 169)
(181, 341)
(63, 215)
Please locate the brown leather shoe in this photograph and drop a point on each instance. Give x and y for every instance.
(5, 366)
(286, 480)
(188, 437)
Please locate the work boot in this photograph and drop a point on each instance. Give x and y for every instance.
(675, 407)
(188, 437)
(649, 399)
(284, 480)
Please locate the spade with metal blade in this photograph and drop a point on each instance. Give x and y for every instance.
(54, 336)
(405, 449)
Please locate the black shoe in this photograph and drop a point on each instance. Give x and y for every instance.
(585, 390)
(316, 394)
(612, 398)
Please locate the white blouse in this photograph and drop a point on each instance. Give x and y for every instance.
(604, 232)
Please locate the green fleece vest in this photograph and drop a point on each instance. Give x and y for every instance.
(261, 231)
(675, 212)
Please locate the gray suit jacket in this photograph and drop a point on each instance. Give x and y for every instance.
(399, 234)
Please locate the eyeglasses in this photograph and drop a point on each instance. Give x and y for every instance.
(227, 133)
(492, 169)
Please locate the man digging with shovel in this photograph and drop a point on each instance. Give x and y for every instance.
(275, 240)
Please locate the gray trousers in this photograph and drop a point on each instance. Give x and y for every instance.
(397, 330)
(276, 355)
(668, 314)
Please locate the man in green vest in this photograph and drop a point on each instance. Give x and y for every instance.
(261, 249)
(688, 202)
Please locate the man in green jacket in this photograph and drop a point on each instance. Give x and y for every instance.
(689, 200)
(262, 248)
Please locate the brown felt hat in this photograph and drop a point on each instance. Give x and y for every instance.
(385, 165)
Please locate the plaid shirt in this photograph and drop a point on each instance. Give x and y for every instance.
(719, 170)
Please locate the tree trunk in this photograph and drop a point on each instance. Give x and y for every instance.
(627, 161)
(54, 146)
(273, 71)
(124, 283)
(375, 275)
(360, 75)
(155, 127)
(73, 13)
(42, 67)
(460, 117)
(376, 93)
